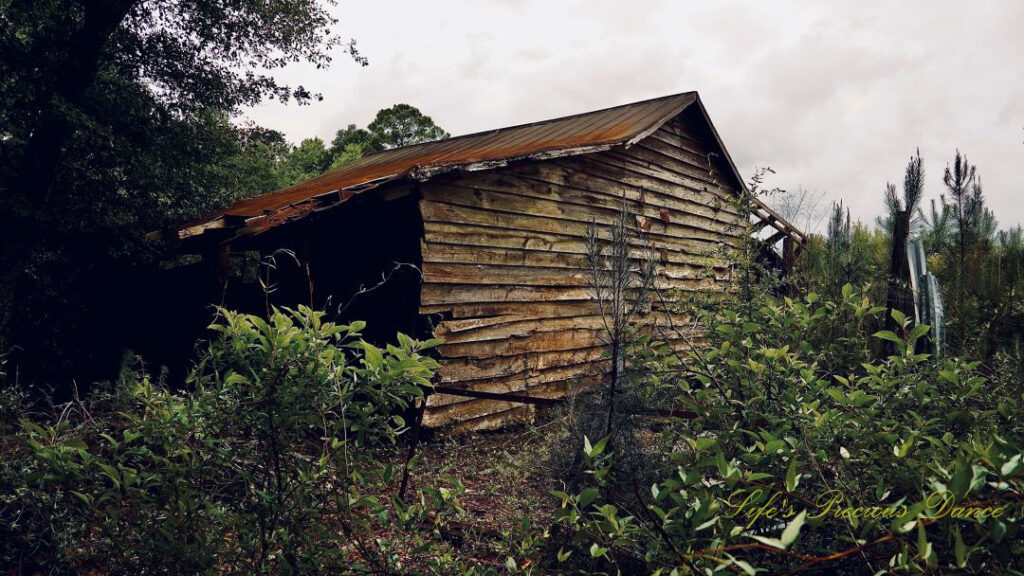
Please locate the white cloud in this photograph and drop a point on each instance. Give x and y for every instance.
(834, 96)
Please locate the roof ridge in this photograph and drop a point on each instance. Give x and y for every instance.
(534, 123)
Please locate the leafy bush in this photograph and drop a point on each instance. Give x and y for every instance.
(793, 419)
(269, 464)
(850, 253)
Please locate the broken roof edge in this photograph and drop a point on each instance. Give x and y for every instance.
(295, 211)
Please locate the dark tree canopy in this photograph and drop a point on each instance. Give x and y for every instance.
(266, 159)
(307, 160)
(69, 65)
(351, 143)
(255, 166)
(352, 135)
(402, 125)
(399, 125)
(114, 121)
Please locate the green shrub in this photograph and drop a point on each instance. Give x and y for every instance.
(791, 409)
(268, 465)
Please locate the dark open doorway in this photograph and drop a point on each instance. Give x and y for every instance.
(359, 261)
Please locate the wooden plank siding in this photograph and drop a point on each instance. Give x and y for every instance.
(503, 263)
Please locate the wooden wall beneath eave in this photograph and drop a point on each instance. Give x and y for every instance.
(503, 262)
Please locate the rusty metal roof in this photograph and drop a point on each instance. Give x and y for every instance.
(577, 134)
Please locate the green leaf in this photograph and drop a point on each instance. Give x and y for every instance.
(962, 478)
(997, 530)
(560, 495)
(85, 498)
(773, 542)
(373, 357)
(597, 551)
(837, 395)
(924, 547)
(792, 478)
(111, 472)
(927, 553)
(707, 524)
(705, 443)
(404, 341)
(905, 447)
(110, 439)
(1011, 466)
(510, 564)
(898, 316)
(889, 335)
(587, 496)
(77, 444)
(918, 331)
(959, 549)
(793, 529)
(235, 379)
(723, 466)
(745, 566)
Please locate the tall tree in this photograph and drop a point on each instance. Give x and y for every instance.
(838, 250)
(959, 178)
(307, 160)
(934, 227)
(60, 56)
(113, 115)
(965, 203)
(402, 125)
(255, 167)
(351, 143)
(399, 125)
(352, 135)
(901, 211)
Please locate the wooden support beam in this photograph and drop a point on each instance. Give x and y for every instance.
(771, 240)
(215, 259)
(757, 226)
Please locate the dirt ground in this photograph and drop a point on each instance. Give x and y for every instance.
(497, 479)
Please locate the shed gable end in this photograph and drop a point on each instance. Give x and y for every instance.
(504, 270)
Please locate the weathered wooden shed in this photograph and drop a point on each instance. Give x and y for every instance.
(488, 231)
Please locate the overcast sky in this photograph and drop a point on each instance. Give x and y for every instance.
(833, 96)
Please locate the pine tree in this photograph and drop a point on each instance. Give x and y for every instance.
(900, 214)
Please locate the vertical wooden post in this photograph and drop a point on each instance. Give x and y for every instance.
(303, 254)
(789, 254)
(216, 261)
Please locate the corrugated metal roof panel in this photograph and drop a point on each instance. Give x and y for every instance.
(570, 134)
